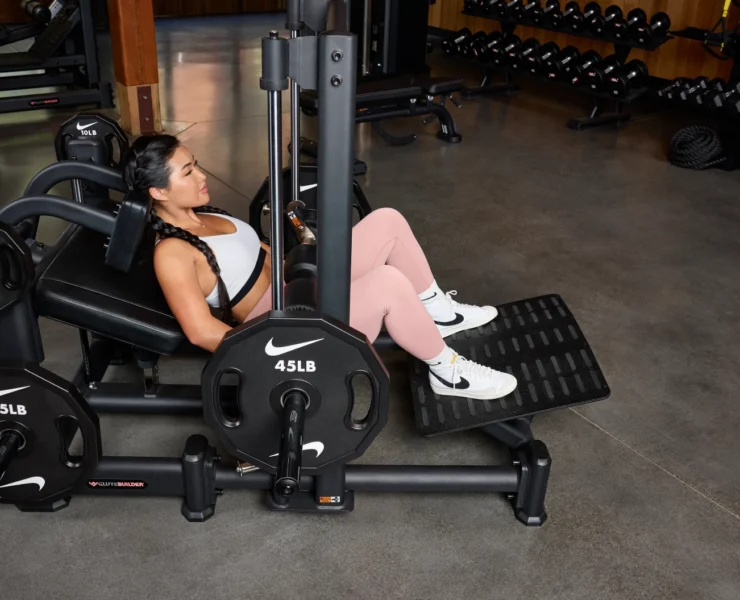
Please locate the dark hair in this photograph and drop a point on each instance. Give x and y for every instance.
(147, 166)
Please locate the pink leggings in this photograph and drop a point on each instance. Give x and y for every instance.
(389, 271)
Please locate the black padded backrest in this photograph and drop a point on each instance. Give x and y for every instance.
(131, 224)
(78, 288)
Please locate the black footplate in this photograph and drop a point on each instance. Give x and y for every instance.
(536, 340)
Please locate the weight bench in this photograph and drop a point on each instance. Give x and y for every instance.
(407, 96)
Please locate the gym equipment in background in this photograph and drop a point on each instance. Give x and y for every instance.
(536, 61)
(557, 66)
(297, 418)
(552, 14)
(390, 91)
(599, 25)
(40, 15)
(596, 75)
(628, 77)
(85, 138)
(644, 34)
(451, 45)
(506, 57)
(66, 50)
(392, 37)
(576, 21)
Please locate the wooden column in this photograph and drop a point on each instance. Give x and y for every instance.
(135, 61)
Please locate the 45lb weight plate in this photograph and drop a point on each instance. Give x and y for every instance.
(49, 414)
(259, 363)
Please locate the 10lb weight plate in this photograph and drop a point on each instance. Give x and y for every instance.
(91, 137)
(48, 413)
(260, 362)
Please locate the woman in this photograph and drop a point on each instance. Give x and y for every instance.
(205, 258)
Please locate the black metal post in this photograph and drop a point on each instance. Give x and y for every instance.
(337, 74)
(274, 80)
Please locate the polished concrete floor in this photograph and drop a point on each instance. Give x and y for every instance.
(644, 499)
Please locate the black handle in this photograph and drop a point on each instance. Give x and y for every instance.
(288, 473)
(10, 443)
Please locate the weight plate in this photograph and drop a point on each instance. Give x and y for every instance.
(100, 135)
(16, 267)
(52, 409)
(276, 353)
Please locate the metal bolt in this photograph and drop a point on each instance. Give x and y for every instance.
(145, 97)
(337, 55)
(273, 35)
(336, 80)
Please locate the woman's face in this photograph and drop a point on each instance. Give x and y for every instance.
(187, 186)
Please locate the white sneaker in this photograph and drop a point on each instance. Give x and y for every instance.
(467, 379)
(452, 316)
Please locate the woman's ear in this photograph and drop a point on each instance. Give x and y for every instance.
(158, 194)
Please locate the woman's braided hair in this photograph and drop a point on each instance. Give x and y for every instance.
(146, 166)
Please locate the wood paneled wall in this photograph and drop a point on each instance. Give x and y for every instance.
(677, 58)
(11, 12)
(166, 8)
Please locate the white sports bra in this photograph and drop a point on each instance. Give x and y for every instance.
(240, 257)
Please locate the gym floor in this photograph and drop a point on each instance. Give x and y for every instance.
(644, 497)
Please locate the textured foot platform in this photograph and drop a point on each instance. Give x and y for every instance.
(536, 340)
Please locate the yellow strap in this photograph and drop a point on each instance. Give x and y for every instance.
(726, 9)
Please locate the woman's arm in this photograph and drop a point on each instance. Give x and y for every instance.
(177, 273)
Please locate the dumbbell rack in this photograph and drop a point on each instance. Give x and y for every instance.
(596, 117)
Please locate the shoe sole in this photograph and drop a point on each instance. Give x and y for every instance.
(482, 395)
(464, 326)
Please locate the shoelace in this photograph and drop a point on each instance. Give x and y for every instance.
(454, 302)
(469, 368)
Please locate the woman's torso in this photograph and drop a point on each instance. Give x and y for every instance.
(236, 248)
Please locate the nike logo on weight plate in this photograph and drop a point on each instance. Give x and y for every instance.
(80, 126)
(6, 392)
(272, 350)
(39, 481)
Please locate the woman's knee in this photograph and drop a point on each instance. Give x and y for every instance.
(389, 283)
(392, 219)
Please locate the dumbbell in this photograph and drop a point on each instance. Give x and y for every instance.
(596, 76)
(717, 85)
(729, 100)
(536, 61)
(517, 56)
(489, 6)
(572, 9)
(575, 69)
(38, 11)
(644, 34)
(674, 85)
(576, 21)
(500, 52)
(469, 47)
(556, 66)
(599, 25)
(451, 45)
(630, 76)
(506, 9)
(491, 41)
(693, 89)
(621, 29)
(552, 14)
(531, 12)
